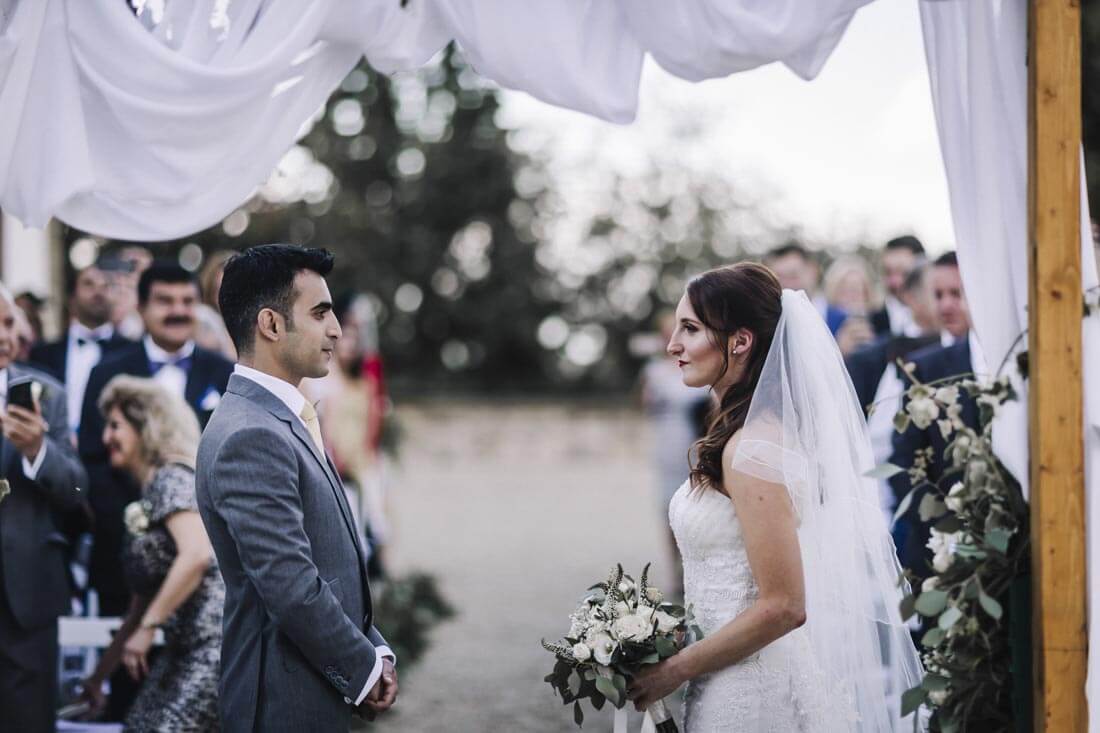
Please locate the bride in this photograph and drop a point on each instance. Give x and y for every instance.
(787, 559)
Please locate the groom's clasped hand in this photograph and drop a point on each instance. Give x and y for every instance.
(382, 695)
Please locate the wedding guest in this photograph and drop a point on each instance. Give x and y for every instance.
(211, 332)
(167, 295)
(878, 379)
(32, 306)
(124, 269)
(351, 402)
(958, 354)
(848, 289)
(45, 480)
(797, 269)
(23, 338)
(899, 256)
(152, 435)
(89, 336)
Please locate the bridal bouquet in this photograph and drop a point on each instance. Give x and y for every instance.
(619, 627)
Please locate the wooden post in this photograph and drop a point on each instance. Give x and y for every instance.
(1054, 344)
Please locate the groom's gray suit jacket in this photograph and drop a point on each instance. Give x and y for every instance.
(298, 638)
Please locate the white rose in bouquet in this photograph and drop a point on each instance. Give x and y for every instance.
(603, 647)
(666, 622)
(654, 595)
(632, 628)
(622, 608)
(581, 652)
(953, 501)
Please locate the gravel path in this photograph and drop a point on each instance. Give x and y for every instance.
(516, 509)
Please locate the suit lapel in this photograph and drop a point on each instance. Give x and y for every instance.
(250, 390)
(197, 378)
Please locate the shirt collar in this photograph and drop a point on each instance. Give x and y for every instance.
(78, 330)
(155, 353)
(287, 393)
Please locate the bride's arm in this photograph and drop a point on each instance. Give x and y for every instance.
(768, 525)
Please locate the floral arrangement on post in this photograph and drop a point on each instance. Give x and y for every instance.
(980, 540)
(619, 627)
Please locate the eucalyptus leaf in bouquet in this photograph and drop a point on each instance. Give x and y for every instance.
(619, 627)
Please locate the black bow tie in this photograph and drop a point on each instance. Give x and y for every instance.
(81, 341)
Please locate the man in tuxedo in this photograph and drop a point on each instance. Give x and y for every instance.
(957, 355)
(167, 296)
(797, 269)
(299, 652)
(45, 479)
(89, 337)
(899, 257)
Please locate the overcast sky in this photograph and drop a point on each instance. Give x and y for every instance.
(850, 156)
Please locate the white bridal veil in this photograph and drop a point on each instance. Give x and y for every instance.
(805, 430)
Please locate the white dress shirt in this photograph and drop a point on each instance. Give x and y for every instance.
(82, 353)
(170, 375)
(30, 468)
(290, 396)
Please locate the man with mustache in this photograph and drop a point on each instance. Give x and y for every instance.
(167, 297)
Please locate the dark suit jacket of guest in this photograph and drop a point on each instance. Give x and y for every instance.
(931, 364)
(34, 580)
(112, 490)
(53, 356)
(298, 626)
(867, 365)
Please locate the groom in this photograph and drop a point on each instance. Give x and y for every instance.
(299, 652)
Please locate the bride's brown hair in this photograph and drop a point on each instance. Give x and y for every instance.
(746, 295)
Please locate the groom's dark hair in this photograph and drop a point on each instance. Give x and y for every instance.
(263, 277)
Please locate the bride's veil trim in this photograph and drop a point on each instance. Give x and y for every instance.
(805, 431)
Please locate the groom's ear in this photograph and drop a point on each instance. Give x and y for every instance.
(270, 325)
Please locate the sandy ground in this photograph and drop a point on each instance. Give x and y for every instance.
(516, 509)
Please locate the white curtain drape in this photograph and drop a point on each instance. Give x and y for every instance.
(977, 63)
(157, 127)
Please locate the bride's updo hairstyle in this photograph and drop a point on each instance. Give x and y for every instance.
(746, 295)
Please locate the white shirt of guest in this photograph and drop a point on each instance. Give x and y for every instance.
(170, 376)
(30, 468)
(292, 397)
(82, 353)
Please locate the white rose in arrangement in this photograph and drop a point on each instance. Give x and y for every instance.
(137, 521)
(603, 647)
(581, 652)
(645, 611)
(622, 608)
(625, 587)
(937, 697)
(632, 628)
(954, 499)
(942, 546)
(923, 411)
(654, 595)
(930, 583)
(666, 622)
(947, 395)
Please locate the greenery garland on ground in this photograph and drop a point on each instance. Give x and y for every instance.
(981, 545)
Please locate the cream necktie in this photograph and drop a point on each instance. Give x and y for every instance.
(313, 425)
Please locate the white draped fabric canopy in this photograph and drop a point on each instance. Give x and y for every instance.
(154, 128)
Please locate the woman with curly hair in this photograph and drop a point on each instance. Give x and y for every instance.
(169, 564)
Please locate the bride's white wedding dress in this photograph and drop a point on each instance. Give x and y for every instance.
(780, 688)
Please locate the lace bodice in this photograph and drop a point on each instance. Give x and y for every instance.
(717, 579)
(779, 688)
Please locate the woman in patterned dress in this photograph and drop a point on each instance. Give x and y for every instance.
(169, 564)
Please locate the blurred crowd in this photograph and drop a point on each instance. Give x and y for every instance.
(100, 430)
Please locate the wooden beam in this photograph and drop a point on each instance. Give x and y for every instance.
(1055, 384)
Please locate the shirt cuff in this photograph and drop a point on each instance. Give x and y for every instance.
(30, 470)
(382, 652)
